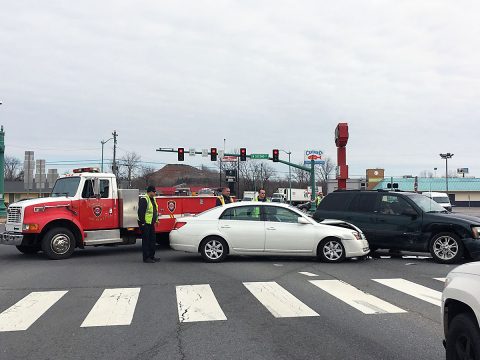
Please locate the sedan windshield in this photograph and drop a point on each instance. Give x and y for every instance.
(65, 187)
(427, 204)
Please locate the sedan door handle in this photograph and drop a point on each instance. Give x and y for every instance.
(271, 228)
(225, 226)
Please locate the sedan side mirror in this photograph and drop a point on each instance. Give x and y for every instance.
(302, 220)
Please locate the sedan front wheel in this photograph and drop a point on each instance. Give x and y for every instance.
(214, 249)
(331, 250)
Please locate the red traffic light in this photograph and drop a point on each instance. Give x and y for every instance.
(275, 155)
(181, 154)
(243, 154)
(213, 154)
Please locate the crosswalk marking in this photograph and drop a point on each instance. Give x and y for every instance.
(114, 307)
(441, 279)
(306, 273)
(413, 289)
(366, 303)
(198, 303)
(24, 313)
(278, 300)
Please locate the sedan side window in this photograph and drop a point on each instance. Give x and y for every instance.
(245, 213)
(278, 214)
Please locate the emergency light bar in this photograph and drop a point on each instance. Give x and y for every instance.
(88, 169)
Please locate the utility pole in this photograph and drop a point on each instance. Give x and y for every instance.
(3, 210)
(446, 157)
(114, 165)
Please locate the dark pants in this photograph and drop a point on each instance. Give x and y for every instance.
(148, 241)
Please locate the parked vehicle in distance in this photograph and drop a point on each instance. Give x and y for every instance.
(206, 192)
(405, 221)
(249, 195)
(298, 196)
(278, 197)
(440, 198)
(256, 228)
(461, 312)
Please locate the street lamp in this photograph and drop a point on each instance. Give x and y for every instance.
(446, 157)
(103, 143)
(289, 176)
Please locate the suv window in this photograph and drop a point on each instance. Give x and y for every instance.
(335, 201)
(363, 202)
(249, 213)
(393, 205)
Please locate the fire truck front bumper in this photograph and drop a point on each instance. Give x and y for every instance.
(11, 238)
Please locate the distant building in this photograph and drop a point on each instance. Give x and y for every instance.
(463, 192)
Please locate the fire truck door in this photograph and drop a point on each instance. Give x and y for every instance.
(98, 212)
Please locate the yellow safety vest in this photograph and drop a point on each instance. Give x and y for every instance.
(149, 212)
(222, 199)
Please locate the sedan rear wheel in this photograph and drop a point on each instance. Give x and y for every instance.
(214, 249)
(331, 250)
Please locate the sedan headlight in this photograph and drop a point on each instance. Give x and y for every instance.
(476, 232)
(357, 235)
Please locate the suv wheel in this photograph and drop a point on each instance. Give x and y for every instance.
(463, 338)
(446, 248)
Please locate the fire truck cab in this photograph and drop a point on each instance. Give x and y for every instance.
(85, 208)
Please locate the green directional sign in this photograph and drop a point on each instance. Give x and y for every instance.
(259, 156)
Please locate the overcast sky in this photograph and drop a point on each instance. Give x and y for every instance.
(404, 75)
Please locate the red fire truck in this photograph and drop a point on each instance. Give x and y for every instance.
(86, 208)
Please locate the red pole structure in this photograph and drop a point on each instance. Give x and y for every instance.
(341, 139)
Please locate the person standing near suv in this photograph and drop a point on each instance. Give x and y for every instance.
(147, 217)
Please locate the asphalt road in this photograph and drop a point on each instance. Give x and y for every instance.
(249, 331)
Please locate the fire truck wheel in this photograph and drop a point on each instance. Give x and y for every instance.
(58, 243)
(213, 249)
(25, 249)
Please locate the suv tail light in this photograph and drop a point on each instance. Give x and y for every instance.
(179, 224)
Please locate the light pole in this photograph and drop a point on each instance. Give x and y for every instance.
(435, 172)
(446, 157)
(103, 143)
(289, 176)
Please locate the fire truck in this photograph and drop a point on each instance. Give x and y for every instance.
(86, 208)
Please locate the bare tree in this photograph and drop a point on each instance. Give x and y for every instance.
(128, 166)
(12, 168)
(301, 177)
(146, 176)
(323, 172)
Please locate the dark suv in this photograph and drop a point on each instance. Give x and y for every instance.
(405, 221)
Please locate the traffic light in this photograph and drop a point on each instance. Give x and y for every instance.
(181, 154)
(243, 154)
(275, 155)
(213, 154)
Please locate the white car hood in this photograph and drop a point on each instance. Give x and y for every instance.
(470, 268)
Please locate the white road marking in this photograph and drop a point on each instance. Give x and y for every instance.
(306, 273)
(114, 307)
(413, 289)
(366, 303)
(24, 313)
(440, 279)
(198, 303)
(278, 300)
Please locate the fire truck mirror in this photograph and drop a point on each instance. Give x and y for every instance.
(96, 187)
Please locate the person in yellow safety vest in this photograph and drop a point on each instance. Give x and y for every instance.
(319, 198)
(262, 196)
(147, 217)
(224, 198)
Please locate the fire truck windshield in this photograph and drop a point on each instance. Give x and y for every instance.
(66, 187)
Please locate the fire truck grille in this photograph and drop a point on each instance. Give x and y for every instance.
(14, 214)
